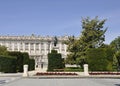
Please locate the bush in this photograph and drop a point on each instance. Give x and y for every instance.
(117, 60)
(73, 69)
(22, 59)
(31, 64)
(19, 57)
(55, 61)
(98, 60)
(25, 58)
(109, 56)
(7, 64)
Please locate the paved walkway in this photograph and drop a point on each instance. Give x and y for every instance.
(5, 80)
(64, 82)
(18, 80)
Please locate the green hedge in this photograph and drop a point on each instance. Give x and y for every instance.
(99, 59)
(25, 58)
(7, 64)
(55, 61)
(22, 59)
(73, 69)
(19, 57)
(31, 64)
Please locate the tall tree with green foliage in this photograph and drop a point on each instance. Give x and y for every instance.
(72, 48)
(93, 32)
(116, 61)
(92, 36)
(115, 44)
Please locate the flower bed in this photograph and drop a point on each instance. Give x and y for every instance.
(104, 73)
(55, 73)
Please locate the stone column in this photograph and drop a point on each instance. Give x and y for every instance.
(86, 70)
(25, 71)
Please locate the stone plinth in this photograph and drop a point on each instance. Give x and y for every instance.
(25, 71)
(86, 70)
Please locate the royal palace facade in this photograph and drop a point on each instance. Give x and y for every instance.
(36, 46)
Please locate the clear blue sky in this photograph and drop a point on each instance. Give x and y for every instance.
(57, 17)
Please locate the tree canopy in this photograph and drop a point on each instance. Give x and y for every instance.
(92, 36)
(115, 45)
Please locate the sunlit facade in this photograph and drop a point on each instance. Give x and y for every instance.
(37, 47)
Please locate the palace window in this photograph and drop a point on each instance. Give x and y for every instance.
(37, 46)
(26, 46)
(42, 46)
(10, 46)
(21, 46)
(63, 47)
(15, 47)
(31, 46)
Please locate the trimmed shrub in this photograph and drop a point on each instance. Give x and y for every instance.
(7, 64)
(109, 56)
(19, 57)
(117, 60)
(22, 59)
(25, 58)
(31, 64)
(73, 69)
(55, 61)
(98, 60)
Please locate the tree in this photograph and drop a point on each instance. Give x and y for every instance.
(117, 60)
(93, 33)
(92, 37)
(72, 48)
(115, 45)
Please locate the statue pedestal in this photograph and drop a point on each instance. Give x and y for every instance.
(25, 73)
(56, 48)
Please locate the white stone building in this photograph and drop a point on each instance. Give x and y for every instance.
(37, 46)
